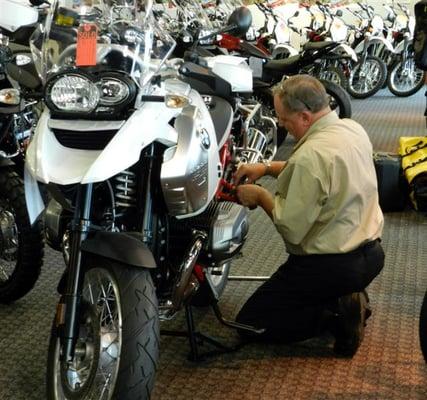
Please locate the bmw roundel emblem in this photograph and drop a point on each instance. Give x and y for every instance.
(205, 140)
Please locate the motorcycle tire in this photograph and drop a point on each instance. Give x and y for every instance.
(117, 350)
(395, 78)
(219, 278)
(339, 99)
(380, 77)
(20, 263)
(423, 327)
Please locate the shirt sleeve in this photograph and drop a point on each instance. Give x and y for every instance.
(299, 199)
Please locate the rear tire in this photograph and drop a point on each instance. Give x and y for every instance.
(423, 327)
(365, 80)
(21, 245)
(118, 337)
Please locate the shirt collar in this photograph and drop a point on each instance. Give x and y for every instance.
(321, 123)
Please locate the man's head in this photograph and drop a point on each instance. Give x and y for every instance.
(299, 102)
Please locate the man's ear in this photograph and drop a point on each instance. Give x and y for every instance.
(307, 117)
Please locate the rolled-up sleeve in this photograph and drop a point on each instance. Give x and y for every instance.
(298, 202)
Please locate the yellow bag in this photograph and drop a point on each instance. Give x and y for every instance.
(413, 151)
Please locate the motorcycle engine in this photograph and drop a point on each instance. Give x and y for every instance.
(226, 224)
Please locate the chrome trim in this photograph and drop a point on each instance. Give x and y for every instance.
(84, 125)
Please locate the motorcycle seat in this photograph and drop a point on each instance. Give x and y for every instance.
(281, 65)
(317, 45)
(222, 118)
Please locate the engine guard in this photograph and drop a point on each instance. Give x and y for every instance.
(126, 248)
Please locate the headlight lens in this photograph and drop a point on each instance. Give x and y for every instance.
(112, 91)
(74, 93)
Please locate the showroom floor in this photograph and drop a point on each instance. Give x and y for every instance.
(388, 365)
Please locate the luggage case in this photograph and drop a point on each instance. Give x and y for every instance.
(392, 186)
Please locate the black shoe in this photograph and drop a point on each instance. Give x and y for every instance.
(350, 329)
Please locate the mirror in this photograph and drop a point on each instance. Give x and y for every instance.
(239, 21)
(37, 3)
(339, 13)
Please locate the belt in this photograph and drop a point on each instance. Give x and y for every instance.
(359, 249)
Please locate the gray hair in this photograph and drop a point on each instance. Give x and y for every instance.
(302, 93)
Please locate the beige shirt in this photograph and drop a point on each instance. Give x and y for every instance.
(327, 198)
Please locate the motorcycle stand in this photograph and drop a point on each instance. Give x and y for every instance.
(196, 339)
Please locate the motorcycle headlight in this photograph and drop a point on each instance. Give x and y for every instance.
(112, 91)
(74, 93)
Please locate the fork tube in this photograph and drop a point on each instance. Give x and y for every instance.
(79, 232)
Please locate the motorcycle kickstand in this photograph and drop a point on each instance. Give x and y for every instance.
(196, 339)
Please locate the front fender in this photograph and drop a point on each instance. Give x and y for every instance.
(402, 45)
(379, 40)
(345, 49)
(125, 247)
(33, 198)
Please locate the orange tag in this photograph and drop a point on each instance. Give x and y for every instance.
(87, 35)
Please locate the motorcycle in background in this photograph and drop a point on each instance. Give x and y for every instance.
(140, 223)
(404, 78)
(369, 74)
(21, 245)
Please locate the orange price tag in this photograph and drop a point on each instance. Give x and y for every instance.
(87, 35)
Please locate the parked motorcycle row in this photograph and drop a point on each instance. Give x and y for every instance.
(127, 122)
(373, 52)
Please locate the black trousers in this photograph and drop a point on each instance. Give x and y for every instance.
(292, 304)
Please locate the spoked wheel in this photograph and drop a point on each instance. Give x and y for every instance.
(423, 327)
(218, 276)
(21, 245)
(405, 79)
(116, 353)
(367, 78)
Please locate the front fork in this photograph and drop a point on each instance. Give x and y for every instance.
(67, 314)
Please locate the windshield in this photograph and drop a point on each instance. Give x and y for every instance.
(113, 34)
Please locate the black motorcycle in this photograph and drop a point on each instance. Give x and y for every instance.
(21, 244)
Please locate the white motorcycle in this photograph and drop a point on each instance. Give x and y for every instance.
(138, 165)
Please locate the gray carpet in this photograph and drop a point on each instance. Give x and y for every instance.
(388, 366)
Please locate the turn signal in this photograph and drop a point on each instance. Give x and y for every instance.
(10, 96)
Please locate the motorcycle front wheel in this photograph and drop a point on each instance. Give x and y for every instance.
(367, 78)
(339, 100)
(423, 327)
(334, 74)
(405, 79)
(117, 348)
(21, 245)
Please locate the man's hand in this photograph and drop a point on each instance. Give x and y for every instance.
(252, 172)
